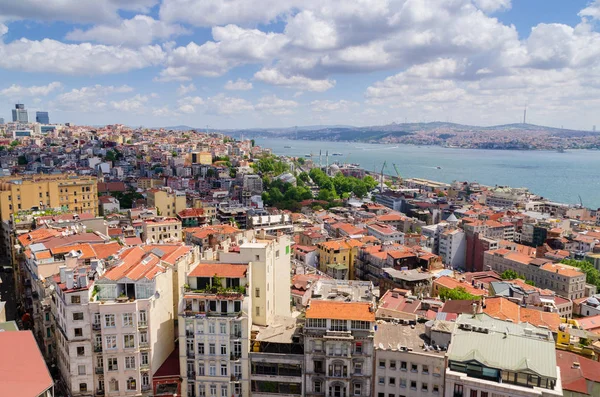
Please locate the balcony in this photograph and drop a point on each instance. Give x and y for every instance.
(191, 354)
(236, 334)
(100, 392)
(235, 356)
(97, 348)
(146, 387)
(144, 367)
(144, 345)
(338, 374)
(236, 377)
(96, 326)
(191, 374)
(142, 324)
(99, 370)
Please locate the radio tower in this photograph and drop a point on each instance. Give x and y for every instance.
(525, 116)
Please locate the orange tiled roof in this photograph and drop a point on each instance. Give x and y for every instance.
(219, 269)
(563, 270)
(451, 283)
(504, 309)
(358, 311)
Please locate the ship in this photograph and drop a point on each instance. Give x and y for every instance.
(308, 155)
(287, 147)
(336, 154)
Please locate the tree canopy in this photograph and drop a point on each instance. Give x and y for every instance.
(458, 293)
(592, 275)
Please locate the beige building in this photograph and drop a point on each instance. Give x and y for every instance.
(162, 230)
(201, 158)
(75, 193)
(168, 202)
(402, 366)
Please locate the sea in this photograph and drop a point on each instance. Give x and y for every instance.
(560, 177)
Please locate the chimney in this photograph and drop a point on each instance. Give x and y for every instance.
(61, 270)
(69, 278)
(82, 281)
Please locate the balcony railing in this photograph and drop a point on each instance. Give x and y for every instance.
(235, 356)
(144, 367)
(236, 377)
(96, 326)
(191, 354)
(142, 324)
(146, 387)
(191, 374)
(99, 370)
(97, 348)
(144, 345)
(236, 334)
(99, 392)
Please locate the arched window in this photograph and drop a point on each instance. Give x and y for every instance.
(113, 385)
(131, 384)
(145, 379)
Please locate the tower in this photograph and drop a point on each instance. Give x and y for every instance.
(525, 116)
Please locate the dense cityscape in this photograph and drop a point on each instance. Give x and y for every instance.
(154, 262)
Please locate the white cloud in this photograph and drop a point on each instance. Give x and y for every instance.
(138, 31)
(238, 85)
(81, 11)
(88, 99)
(592, 10)
(51, 56)
(274, 77)
(273, 105)
(493, 5)
(164, 111)
(332, 106)
(219, 12)
(136, 104)
(188, 104)
(185, 89)
(16, 91)
(222, 104)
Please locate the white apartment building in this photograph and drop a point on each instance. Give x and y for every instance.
(385, 233)
(432, 233)
(338, 348)
(453, 248)
(115, 331)
(402, 366)
(214, 331)
(495, 358)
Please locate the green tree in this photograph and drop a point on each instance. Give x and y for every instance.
(301, 160)
(22, 160)
(592, 276)
(14, 143)
(252, 142)
(458, 293)
(509, 275)
(110, 155)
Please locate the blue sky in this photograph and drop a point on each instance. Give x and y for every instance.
(278, 63)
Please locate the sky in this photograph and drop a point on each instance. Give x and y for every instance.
(281, 63)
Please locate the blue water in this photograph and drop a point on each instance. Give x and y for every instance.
(557, 176)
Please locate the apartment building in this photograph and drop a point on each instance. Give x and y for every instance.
(337, 252)
(402, 366)
(162, 230)
(496, 358)
(385, 233)
(215, 327)
(77, 193)
(338, 342)
(167, 201)
(564, 280)
(453, 248)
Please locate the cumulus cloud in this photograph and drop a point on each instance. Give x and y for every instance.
(52, 56)
(222, 104)
(592, 10)
(275, 77)
(271, 104)
(81, 11)
(136, 104)
(186, 89)
(332, 106)
(16, 91)
(238, 85)
(188, 104)
(138, 31)
(88, 99)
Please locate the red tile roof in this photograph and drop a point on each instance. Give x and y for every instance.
(23, 371)
(219, 269)
(575, 379)
(358, 311)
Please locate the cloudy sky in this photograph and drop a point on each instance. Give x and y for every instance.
(272, 63)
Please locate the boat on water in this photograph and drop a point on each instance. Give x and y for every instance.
(561, 150)
(336, 154)
(438, 167)
(308, 155)
(287, 147)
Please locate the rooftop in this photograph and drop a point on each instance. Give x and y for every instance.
(344, 291)
(358, 311)
(219, 269)
(390, 336)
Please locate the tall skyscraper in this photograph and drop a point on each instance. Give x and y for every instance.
(42, 117)
(1, 120)
(19, 114)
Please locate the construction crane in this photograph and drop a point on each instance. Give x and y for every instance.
(382, 168)
(398, 174)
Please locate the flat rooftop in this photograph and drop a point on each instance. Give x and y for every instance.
(390, 336)
(344, 290)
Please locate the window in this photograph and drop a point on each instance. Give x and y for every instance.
(413, 384)
(316, 323)
(425, 369)
(130, 362)
(223, 369)
(403, 383)
(424, 387)
(97, 318)
(339, 325)
(403, 365)
(201, 369)
(131, 384)
(212, 370)
(436, 390)
(128, 341)
(358, 368)
(473, 393)
(392, 381)
(144, 359)
(77, 316)
(109, 320)
(414, 368)
(318, 386)
(357, 389)
(113, 364)
(80, 350)
(381, 363)
(75, 299)
(381, 380)
(222, 328)
(127, 320)
(211, 328)
(437, 371)
(366, 325)
(83, 386)
(256, 257)
(143, 337)
(111, 341)
(223, 349)
(200, 348)
(358, 348)
(142, 319)
(81, 369)
(257, 310)
(78, 332)
(212, 349)
(484, 394)
(257, 292)
(392, 364)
